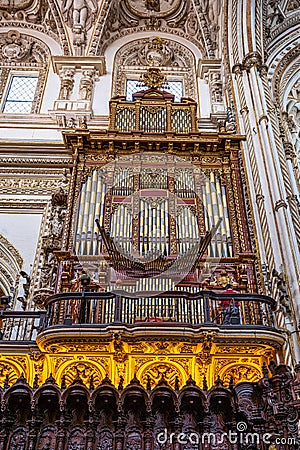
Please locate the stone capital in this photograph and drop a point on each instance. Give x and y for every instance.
(80, 63)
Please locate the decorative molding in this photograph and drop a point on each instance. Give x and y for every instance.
(11, 250)
(211, 72)
(44, 18)
(280, 204)
(25, 53)
(68, 112)
(174, 60)
(41, 162)
(190, 20)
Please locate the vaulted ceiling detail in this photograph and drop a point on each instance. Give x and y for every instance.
(91, 26)
(40, 15)
(194, 20)
(279, 17)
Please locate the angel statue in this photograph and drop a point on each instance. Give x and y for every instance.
(79, 12)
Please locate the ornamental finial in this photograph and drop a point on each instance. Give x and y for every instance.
(154, 79)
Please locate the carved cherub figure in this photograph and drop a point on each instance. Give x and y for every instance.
(80, 10)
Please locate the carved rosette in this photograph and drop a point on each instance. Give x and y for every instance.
(159, 8)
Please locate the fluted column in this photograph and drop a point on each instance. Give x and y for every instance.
(276, 217)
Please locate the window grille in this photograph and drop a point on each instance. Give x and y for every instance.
(20, 94)
(174, 87)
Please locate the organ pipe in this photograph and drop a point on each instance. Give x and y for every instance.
(153, 221)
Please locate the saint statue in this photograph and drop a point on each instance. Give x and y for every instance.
(80, 10)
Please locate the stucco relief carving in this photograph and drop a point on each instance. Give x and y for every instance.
(86, 85)
(159, 8)
(16, 47)
(176, 59)
(51, 241)
(9, 248)
(293, 121)
(276, 13)
(25, 10)
(15, 4)
(80, 16)
(293, 5)
(11, 262)
(66, 75)
(155, 52)
(28, 185)
(79, 13)
(212, 9)
(18, 50)
(174, 17)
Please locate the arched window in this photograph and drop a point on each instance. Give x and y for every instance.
(175, 61)
(23, 69)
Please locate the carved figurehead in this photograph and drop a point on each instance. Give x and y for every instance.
(105, 441)
(18, 440)
(134, 441)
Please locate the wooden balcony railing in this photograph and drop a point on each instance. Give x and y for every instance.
(176, 307)
(195, 309)
(21, 325)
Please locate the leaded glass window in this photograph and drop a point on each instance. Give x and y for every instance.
(174, 87)
(20, 94)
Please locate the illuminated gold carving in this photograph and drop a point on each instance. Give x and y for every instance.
(81, 370)
(8, 373)
(120, 355)
(162, 348)
(185, 363)
(208, 358)
(186, 348)
(139, 362)
(241, 373)
(140, 347)
(158, 372)
(204, 358)
(103, 362)
(38, 360)
(153, 78)
(60, 361)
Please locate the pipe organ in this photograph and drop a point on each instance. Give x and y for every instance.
(154, 207)
(91, 207)
(215, 206)
(152, 212)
